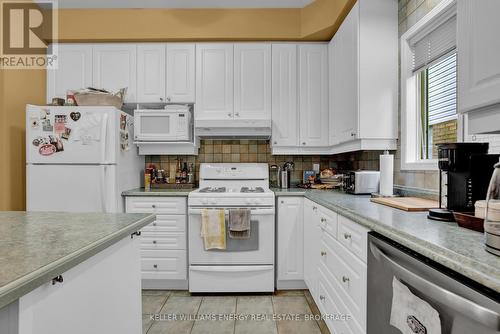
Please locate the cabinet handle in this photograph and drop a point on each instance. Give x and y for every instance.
(353, 134)
(282, 202)
(237, 114)
(137, 233)
(153, 206)
(303, 143)
(347, 236)
(323, 253)
(345, 279)
(275, 142)
(154, 224)
(168, 99)
(155, 266)
(229, 115)
(161, 99)
(154, 241)
(315, 208)
(323, 220)
(322, 297)
(57, 279)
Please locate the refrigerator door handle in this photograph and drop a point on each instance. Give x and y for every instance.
(104, 203)
(464, 306)
(104, 132)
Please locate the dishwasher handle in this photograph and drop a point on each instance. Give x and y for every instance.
(483, 315)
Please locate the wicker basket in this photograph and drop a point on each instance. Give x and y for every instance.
(99, 99)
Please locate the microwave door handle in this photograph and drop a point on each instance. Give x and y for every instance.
(464, 306)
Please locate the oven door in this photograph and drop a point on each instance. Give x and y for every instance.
(257, 249)
(159, 126)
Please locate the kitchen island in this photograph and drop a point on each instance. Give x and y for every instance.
(70, 272)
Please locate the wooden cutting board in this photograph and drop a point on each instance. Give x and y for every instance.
(407, 203)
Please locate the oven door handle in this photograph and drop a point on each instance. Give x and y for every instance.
(460, 304)
(254, 211)
(230, 269)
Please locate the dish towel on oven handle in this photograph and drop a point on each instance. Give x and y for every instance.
(213, 228)
(239, 223)
(411, 314)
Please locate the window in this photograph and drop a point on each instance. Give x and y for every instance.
(429, 87)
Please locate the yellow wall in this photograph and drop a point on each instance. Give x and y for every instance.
(317, 21)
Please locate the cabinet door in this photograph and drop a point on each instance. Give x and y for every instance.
(478, 54)
(252, 81)
(214, 81)
(290, 239)
(309, 224)
(344, 78)
(180, 72)
(313, 100)
(284, 95)
(74, 70)
(151, 72)
(115, 67)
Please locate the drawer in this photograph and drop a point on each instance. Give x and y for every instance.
(167, 240)
(347, 274)
(330, 303)
(353, 236)
(168, 264)
(328, 220)
(167, 223)
(159, 205)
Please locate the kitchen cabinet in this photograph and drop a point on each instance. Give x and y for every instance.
(101, 294)
(290, 243)
(313, 94)
(252, 81)
(284, 95)
(363, 78)
(478, 50)
(115, 67)
(164, 241)
(151, 72)
(214, 81)
(180, 72)
(74, 70)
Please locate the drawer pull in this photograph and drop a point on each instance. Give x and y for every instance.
(347, 236)
(57, 279)
(154, 241)
(323, 220)
(322, 298)
(153, 206)
(323, 253)
(155, 266)
(315, 208)
(154, 224)
(345, 279)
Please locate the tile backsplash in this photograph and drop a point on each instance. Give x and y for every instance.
(260, 151)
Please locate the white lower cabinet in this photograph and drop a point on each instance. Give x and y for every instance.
(164, 241)
(290, 243)
(100, 295)
(333, 261)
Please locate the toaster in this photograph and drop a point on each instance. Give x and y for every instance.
(362, 182)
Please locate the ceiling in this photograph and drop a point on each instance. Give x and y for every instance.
(182, 3)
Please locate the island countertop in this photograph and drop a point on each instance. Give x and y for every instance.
(37, 246)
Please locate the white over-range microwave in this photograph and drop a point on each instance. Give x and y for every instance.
(163, 125)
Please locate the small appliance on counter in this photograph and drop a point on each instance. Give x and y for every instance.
(492, 214)
(464, 170)
(361, 182)
(284, 175)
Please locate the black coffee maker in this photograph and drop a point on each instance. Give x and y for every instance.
(464, 176)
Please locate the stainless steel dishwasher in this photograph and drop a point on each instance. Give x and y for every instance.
(464, 306)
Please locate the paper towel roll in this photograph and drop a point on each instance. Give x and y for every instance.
(386, 174)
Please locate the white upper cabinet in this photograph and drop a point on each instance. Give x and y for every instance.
(252, 81)
(344, 80)
(115, 67)
(478, 63)
(151, 72)
(74, 71)
(214, 81)
(284, 95)
(313, 94)
(180, 72)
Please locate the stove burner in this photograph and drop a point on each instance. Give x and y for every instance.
(213, 190)
(252, 190)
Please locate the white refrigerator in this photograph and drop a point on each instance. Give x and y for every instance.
(79, 159)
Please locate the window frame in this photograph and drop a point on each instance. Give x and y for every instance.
(410, 85)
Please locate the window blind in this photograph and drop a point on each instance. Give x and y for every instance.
(433, 45)
(442, 90)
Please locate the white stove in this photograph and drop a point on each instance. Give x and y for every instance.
(245, 265)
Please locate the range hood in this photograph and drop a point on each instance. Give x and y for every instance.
(233, 129)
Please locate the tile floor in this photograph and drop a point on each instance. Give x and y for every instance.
(178, 312)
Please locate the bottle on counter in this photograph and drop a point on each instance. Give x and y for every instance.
(190, 174)
(178, 172)
(184, 173)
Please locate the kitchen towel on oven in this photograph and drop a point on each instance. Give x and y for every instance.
(411, 314)
(213, 228)
(239, 223)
